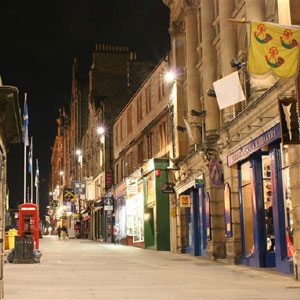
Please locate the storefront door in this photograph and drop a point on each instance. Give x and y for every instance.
(263, 210)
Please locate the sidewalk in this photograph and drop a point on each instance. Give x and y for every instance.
(83, 269)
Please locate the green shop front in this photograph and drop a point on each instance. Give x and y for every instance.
(156, 205)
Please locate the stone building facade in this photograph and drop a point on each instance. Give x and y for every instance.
(143, 145)
(203, 44)
(10, 132)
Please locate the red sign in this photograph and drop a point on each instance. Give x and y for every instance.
(108, 179)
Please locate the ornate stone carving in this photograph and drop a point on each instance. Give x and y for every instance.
(177, 28)
(190, 6)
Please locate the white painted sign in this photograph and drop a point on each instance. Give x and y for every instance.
(131, 186)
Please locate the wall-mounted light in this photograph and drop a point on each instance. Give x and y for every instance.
(61, 173)
(211, 93)
(78, 152)
(198, 113)
(180, 128)
(169, 76)
(100, 130)
(235, 63)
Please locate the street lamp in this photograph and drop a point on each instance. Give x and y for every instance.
(100, 130)
(170, 76)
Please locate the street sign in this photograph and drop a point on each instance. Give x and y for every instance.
(80, 188)
(68, 194)
(108, 203)
(168, 187)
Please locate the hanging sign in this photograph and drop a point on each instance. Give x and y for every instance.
(168, 187)
(68, 194)
(289, 121)
(108, 203)
(185, 200)
(80, 188)
(131, 186)
(215, 171)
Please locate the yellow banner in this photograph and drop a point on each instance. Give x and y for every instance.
(274, 47)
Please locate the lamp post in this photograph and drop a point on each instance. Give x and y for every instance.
(79, 155)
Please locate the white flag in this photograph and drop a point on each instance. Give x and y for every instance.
(229, 90)
(189, 131)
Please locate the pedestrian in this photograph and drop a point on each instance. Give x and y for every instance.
(58, 231)
(115, 232)
(64, 232)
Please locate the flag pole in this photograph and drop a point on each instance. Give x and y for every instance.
(37, 200)
(31, 195)
(25, 157)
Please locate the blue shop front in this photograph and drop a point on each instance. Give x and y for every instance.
(265, 202)
(195, 201)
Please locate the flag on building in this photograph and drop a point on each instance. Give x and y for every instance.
(25, 124)
(274, 47)
(229, 90)
(189, 130)
(37, 174)
(30, 158)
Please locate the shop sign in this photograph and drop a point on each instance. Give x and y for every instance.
(131, 186)
(108, 203)
(185, 200)
(108, 179)
(148, 166)
(80, 188)
(168, 187)
(289, 121)
(227, 210)
(261, 141)
(215, 172)
(199, 181)
(120, 189)
(67, 206)
(68, 194)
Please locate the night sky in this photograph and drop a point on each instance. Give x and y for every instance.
(38, 42)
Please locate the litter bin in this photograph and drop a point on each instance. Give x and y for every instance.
(11, 239)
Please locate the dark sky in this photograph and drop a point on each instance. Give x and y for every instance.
(38, 42)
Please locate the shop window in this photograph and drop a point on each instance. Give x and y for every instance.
(268, 203)
(227, 210)
(287, 202)
(247, 208)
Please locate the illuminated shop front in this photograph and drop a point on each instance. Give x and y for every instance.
(135, 210)
(265, 202)
(156, 205)
(120, 211)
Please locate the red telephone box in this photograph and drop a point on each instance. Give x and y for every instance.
(29, 222)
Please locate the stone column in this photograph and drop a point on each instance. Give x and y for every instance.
(212, 120)
(192, 74)
(228, 41)
(176, 91)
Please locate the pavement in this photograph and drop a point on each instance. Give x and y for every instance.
(83, 269)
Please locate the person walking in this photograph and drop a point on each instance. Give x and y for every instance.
(58, 232)
(64, 232)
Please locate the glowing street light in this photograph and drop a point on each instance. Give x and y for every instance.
(78, 152)
(100, 130)
(61, 173)
(169, 76)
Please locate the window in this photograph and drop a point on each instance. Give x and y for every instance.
(150, 146)
(161, 86)
(117, 134)
(139, 109)
(129, 121)
(140, 153)
(148, 99)
(163, 137)
(121, 129)
(117, 173)
(130, 163)
(122, 169)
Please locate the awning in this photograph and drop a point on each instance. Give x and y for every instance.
(87, 218)
(10, 114)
